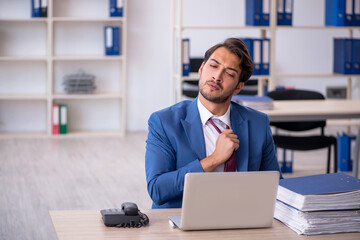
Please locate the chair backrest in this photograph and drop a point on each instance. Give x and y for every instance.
(297, 95)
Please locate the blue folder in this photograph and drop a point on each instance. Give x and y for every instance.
(355, 68)
(35, 8)
(343, 55)
(356, 15)
(185, 55)
(265, 13)
(253, 12)
(116, 8)
(321, 184)
(112, 40)
(288, 12)
(335, 12)
(344, 152)
(265, 56)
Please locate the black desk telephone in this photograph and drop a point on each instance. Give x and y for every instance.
(127, 216)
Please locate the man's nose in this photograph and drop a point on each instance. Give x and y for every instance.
(217, 76)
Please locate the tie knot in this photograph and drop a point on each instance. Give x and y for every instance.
(218, 124)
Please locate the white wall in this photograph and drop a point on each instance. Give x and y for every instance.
(149, 32)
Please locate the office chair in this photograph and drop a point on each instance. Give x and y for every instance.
(308, 142)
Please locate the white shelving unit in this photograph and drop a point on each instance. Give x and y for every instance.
(35, 55)
(177, 33)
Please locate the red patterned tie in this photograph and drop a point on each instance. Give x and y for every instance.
(230, 164)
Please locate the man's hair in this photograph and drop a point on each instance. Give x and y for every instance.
(237, 47)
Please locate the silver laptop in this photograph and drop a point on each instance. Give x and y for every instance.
(228, 200)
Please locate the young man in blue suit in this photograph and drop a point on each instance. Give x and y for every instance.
(183, 138)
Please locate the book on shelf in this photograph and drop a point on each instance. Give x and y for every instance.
(346, 56)
(255, 102)
(112, 40)
(116, 8)
(319, 204)
(185, 56)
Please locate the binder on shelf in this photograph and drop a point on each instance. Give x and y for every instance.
(112, 40)
(44, 8)
(63, 118)
(265, 56)
(185, 55)
(335, 12)
(344, 152)
(116, 8)
(355, 68)
(257, 56)
(265, 15)
(349, 13)
(280, 12)
(253, 12)
(288, 12)
(356, 16)
(55, 119)
(35, 8)
(343, 55)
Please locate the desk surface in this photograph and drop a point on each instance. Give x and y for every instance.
(313, 110)
(88, 225)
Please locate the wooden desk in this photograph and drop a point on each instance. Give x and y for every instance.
(309, 110)
(88, 225)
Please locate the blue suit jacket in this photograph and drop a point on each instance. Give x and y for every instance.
(175, 146)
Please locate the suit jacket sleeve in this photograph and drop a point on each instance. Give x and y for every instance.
(269, 154)
(165, 181)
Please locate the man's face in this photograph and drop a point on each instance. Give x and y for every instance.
(219, 76)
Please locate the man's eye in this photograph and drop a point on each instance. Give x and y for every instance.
(230, 74)
(212, 65)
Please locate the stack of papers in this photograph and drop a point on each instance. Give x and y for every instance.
(255, 102)
(326, 203)
(79, 83)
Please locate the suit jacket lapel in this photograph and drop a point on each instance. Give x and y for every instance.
(194, 131)
(240, 128)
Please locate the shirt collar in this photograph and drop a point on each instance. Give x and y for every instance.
(206, 114)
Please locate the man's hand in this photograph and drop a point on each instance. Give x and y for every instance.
(226, 144)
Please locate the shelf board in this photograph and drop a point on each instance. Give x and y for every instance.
(315, 75)
(24, 20)
(23, 97)
(87, 96)
(319, 27)
(22, 58)
(88, 58)
(88, 19)
(221, 27)
(76, 134)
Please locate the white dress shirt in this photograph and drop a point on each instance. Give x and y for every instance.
(210, 133)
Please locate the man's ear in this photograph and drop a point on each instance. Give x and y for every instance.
(238, 87)
(200, 69)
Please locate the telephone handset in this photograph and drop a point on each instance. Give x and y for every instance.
(128, 216)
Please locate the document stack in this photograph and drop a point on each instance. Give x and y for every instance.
(79, 83)
(319, 204)
(255, 102)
